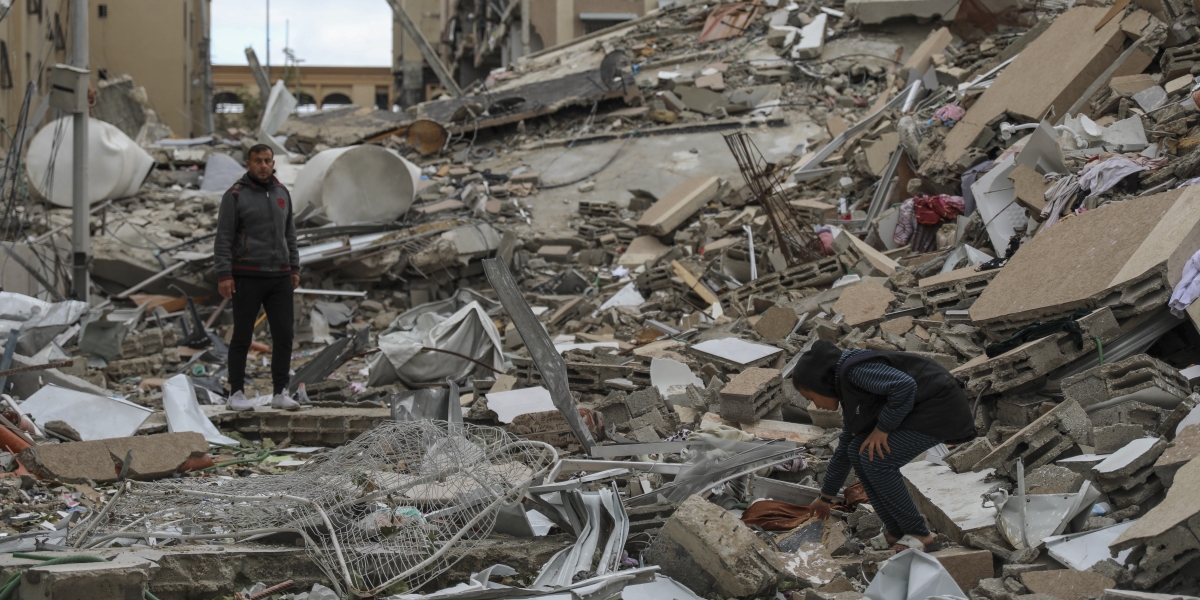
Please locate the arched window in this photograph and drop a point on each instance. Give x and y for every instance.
(335, 99)
(227, 102)
(305, 103)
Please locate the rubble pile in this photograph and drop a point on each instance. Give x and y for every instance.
(545, 331)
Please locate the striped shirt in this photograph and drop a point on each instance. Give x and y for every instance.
(876, 377)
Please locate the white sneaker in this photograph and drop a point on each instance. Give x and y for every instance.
(284, 402)
(239, 402)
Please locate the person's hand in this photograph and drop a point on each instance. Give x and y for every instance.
(875, 444)
(820, 509)
(225, 288)
(295, 280)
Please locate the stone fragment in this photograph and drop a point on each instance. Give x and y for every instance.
(1180, 452)
(967, 566)
(711, 551)
(154, 457)
(1067, 584)
(125, 579)
(864, 303)
(776, 323)
(1052, 479)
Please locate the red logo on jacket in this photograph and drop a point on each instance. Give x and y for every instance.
(281, 202)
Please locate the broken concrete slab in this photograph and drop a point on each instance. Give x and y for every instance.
(1042, 441)
(949, 500)
(103, 579)
(713, 551)
(1051, 73)
(812, 39)
(1129, 466)
(1184, 448)
(683, 201)
(153, 457)
(922, 58)
(1139, 378)
(1030, 189)
(748, 396)
(954, 288)
(642, 250)
(864, 304)
(1176, 509)
(776, 323)
(1119, 257)
(1034, 360)
(1067, 584)
(705, 102)
(967, 566)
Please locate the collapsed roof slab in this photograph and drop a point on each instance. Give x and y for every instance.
(1048, 75)
(1121, 255)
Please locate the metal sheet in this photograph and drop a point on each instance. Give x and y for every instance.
(94, 417)
(736, 350)
(549, 362)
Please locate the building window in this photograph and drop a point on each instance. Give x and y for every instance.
(381, 99)
(305, 103)
(103, 11)
(228, 102)
(593, 22)
(336, 99)
(6, 78)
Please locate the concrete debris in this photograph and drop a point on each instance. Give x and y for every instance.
(612, 324)
(706, 546)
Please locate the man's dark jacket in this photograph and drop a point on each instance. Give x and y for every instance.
(256, 233)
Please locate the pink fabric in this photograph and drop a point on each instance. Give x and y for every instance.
(906, 224)
(950, 112)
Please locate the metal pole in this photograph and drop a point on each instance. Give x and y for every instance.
(268, 42)
(525, 27)
(205, 10)
(80, 234)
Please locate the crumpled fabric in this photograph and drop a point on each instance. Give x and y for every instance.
(1058, 196)
(933, 210)
(950, 114)
(1188, 288)
(905, 224)
(1102, 175)
(825, 240)
(469, 332)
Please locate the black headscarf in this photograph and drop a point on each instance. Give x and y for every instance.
(816, 369)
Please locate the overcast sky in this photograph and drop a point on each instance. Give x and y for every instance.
(322, 32)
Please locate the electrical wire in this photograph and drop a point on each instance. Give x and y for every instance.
(594, 173)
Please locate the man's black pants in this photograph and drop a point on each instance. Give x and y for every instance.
(274, 295)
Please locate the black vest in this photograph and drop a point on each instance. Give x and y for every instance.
(940, 410)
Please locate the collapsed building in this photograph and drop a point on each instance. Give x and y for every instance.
(545, 329)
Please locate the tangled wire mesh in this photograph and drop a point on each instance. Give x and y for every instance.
(383, 510)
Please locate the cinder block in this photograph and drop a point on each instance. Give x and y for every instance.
(1042, 441)
(1111, 438)
(85, 581)
(1166, 554)
(963, 457)
(748, 396)
(1154, 380)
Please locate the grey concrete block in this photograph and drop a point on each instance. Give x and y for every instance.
(1042, 441)
(711, 551)
(115, 581)
(1111, 438)
(963, 457)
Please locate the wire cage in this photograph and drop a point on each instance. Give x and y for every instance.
(389, 511)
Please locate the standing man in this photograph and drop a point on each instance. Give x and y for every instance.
(258, 265)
